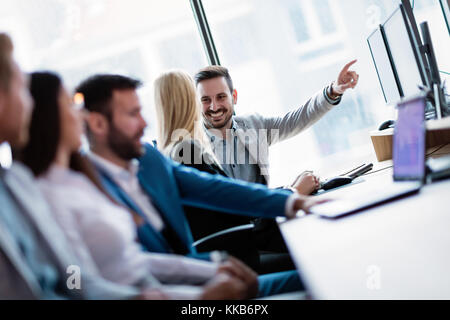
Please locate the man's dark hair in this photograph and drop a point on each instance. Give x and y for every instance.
(98, 91)
(212, 72)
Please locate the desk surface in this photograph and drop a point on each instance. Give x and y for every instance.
(400, 250)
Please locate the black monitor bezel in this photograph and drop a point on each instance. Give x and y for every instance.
(388, 51)
(445, 6)
(412, 25)
(415, 44)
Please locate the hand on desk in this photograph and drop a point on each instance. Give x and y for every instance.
(233, 281)
(306, 183)
(239, 270)
(224, 287)
(152, 294)
(305, 203)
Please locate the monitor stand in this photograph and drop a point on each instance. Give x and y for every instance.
(430, 112)
(437, 109)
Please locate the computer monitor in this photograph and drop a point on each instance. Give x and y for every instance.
(411, 24)
(435, 78)
(445, 6)
(410, 140)
(383, 65)
(405, 51)
(427, 60)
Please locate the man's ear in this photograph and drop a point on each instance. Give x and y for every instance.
(235, 96)
(97, 123)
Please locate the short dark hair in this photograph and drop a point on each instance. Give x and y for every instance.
(212, 72)
(98, 90)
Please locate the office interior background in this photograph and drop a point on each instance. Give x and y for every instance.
(279, 53)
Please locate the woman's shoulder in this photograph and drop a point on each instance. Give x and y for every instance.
(68, 185)
(192, 153)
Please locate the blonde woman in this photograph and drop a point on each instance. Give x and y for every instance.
(181, 136)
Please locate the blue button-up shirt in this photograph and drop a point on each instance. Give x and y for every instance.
(234, 168)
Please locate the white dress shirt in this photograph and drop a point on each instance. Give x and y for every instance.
(103, 235)
(129, 182)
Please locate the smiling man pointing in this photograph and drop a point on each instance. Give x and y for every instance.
(241, 143)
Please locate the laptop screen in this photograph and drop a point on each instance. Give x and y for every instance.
(409, 140)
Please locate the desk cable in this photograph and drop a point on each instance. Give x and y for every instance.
(441, 147)
(372, 172)
(389, 167)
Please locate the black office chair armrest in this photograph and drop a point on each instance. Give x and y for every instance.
(233, 237)
(238, 241)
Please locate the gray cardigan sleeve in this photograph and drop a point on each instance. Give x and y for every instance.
(296, 121)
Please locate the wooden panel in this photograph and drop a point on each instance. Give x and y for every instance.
(382, 141)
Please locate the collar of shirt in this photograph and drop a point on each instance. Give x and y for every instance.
(57, 173)
(118, 173)
(213, 137)
(127, 179)
(65, 177)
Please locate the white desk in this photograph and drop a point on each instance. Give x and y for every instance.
(400, 250)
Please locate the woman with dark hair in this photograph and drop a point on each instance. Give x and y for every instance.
(48, 138)
(102, 233)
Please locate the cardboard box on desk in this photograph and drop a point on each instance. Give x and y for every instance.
(382, 143)
(438, 133)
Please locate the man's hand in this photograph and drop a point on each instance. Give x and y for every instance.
(224, 287)
(347, 79)
(152, 294)
(305, 203)
(306, 183)
(238, 269)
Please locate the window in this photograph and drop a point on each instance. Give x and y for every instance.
(297, 48)
(325, 16)
(299, 23)
(312, 19)
(279, 53)
(317, 31)
(78, 38)
(430, 11)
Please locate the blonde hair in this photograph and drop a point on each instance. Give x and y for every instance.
(178, 111)
(6, 69)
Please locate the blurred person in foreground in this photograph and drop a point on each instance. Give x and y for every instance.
(36, 261)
